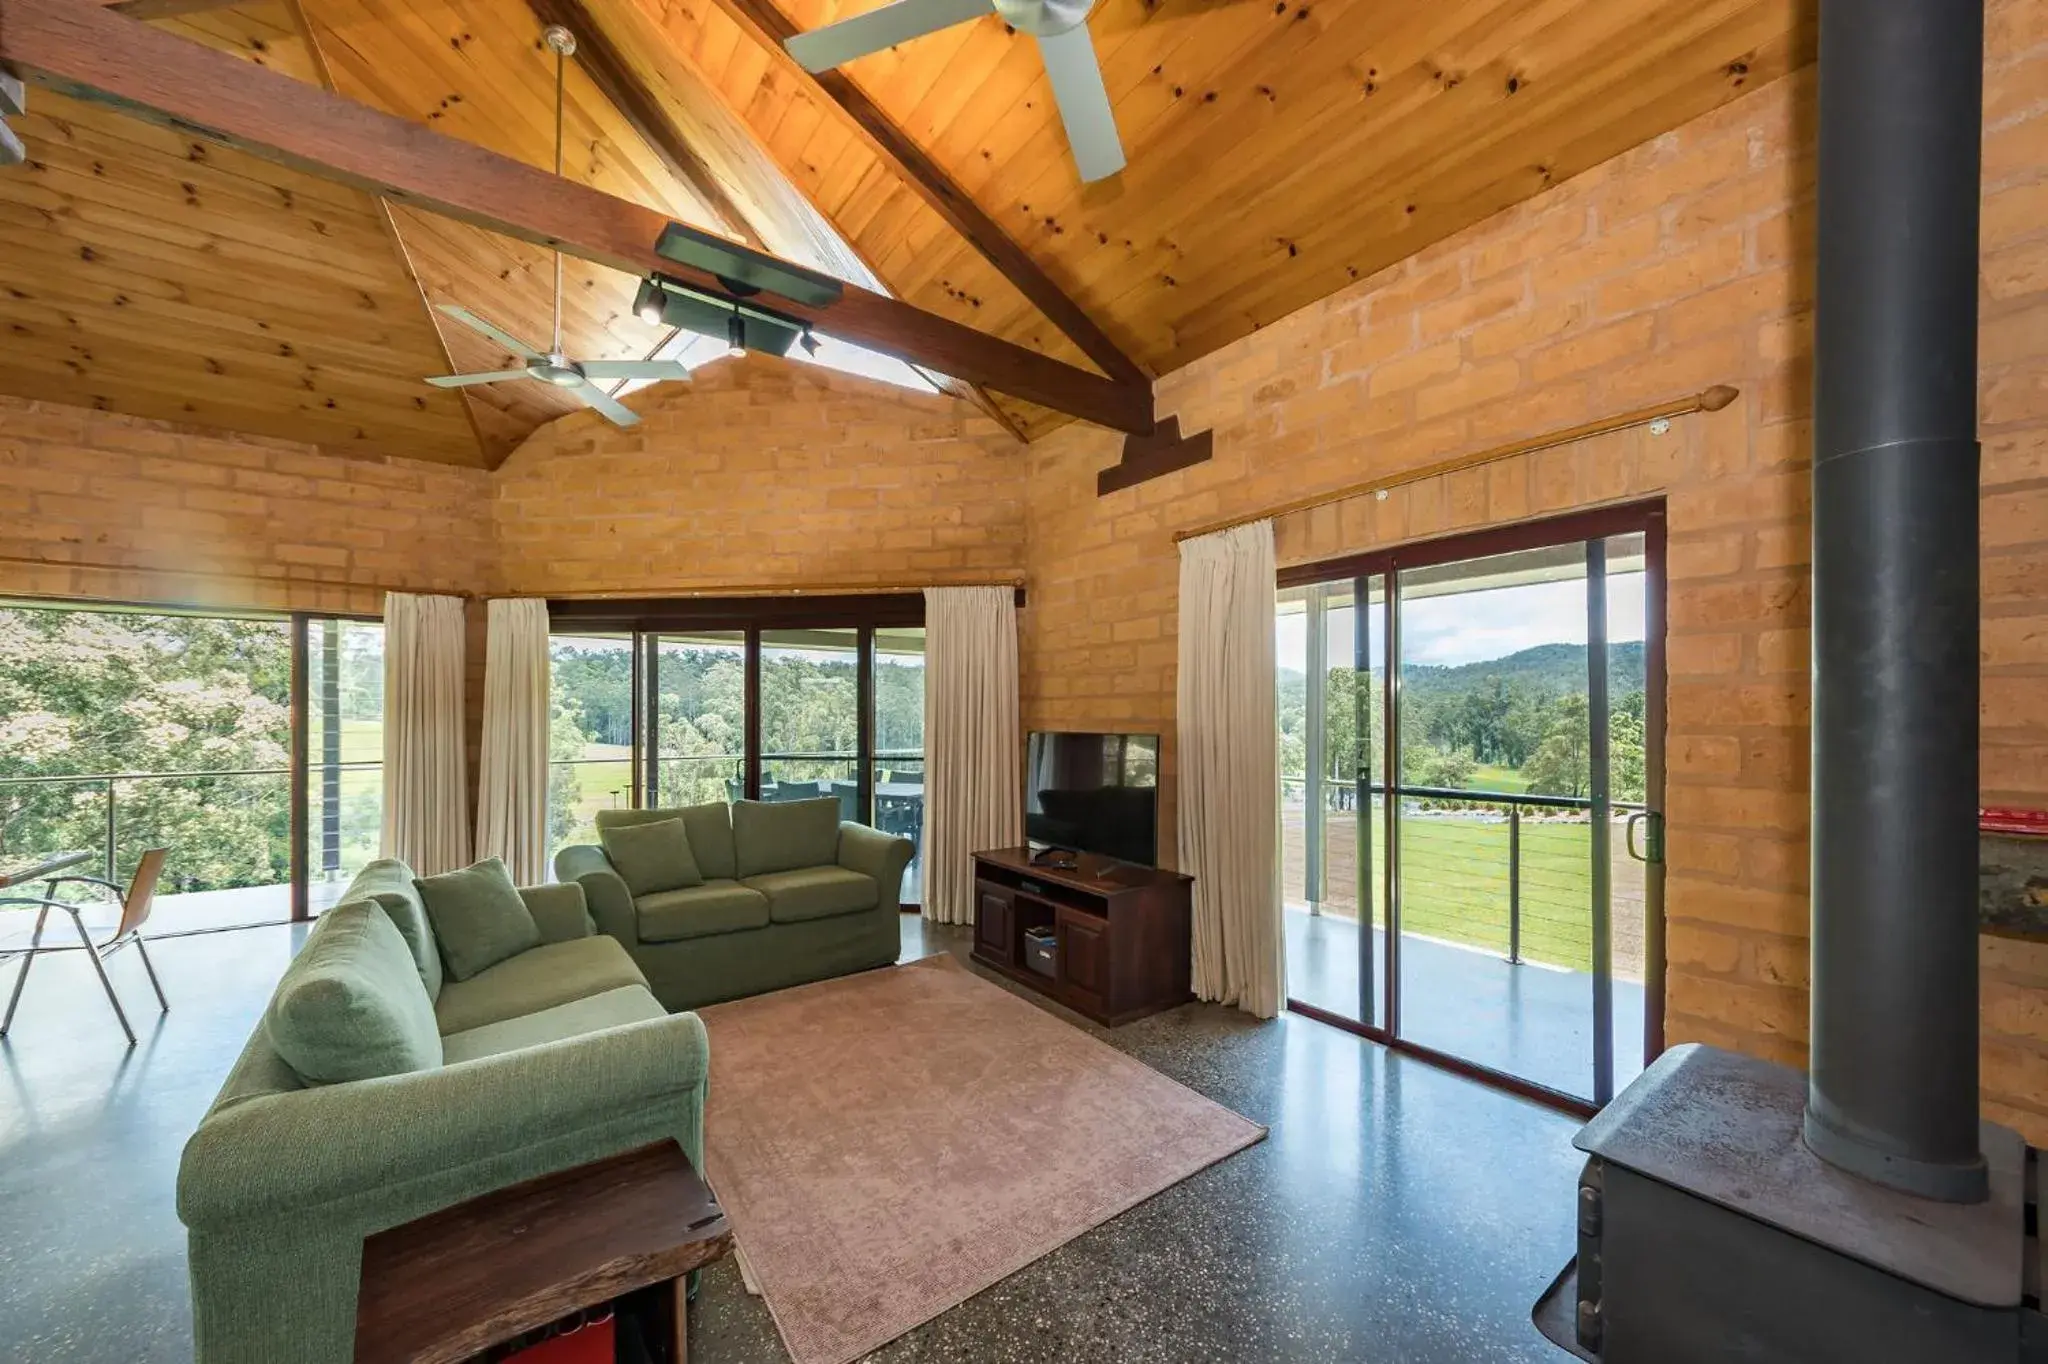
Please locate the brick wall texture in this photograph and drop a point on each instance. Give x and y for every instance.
(763, 473)
(115, 508)
(1684, 263)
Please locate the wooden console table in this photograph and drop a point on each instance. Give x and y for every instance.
(1123, 931)
(454, 1283)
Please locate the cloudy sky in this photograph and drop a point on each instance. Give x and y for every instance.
(1468, 627)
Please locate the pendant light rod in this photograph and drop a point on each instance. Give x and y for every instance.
(562, 43)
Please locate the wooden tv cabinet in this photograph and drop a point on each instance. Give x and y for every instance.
(1123, 931)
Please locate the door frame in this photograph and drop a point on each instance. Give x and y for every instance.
(1646, 518)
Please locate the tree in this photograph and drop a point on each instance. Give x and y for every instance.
(1442, 767)
(566, 740)
(101, 693)
(1625, 763)
(1561, 765)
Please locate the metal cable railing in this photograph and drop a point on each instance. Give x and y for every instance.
(110, 784)
(1550, 890)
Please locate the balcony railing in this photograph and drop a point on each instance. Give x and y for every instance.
(169, 809)
(1451, 872)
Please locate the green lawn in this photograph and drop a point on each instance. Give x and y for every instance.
(1454, 882)
(1454, 885)
(600, 779)
(1488, 777)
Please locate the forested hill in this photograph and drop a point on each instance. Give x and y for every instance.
(1554, 668)
(1551, 668)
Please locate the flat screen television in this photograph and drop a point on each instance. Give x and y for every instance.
(1096, 793)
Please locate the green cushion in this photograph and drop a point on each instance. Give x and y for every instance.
(710, 830)
(594, 1013)
(388, 881)
(651, 857)
(815, 893)
(479, 919)
(714, 907)
(781, 835)
(551, 974)
(351, 1006)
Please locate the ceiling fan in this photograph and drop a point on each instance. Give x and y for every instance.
(1061, 27)
(552, 366)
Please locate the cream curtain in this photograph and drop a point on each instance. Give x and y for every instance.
(512, 772)
(426, 797)
(974, 781)
(1229, 794)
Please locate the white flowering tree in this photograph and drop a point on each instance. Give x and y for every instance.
(85, 694)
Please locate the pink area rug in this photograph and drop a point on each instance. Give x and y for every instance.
(889, 1144)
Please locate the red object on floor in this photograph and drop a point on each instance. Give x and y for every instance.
(594, 1344)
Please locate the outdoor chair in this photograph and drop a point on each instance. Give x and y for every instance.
(134, 914)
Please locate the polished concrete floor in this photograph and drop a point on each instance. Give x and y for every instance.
(1522, 1018)
(1396, 1213)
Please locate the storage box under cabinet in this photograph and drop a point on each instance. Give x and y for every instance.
(1041, 951)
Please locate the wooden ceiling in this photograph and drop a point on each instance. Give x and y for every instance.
(1278, 149)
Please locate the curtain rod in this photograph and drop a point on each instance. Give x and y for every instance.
(624, 594)
(1707, 400)
(841, 589)
(221, 575)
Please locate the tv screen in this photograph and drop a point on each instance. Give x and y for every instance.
(1096, 793)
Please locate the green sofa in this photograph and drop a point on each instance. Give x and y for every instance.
(550, 1059)
(790, 894)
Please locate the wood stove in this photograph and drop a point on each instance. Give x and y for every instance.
(1859, 1213)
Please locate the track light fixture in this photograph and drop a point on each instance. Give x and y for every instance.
(736, 335)
(808, 341)
(647, 303)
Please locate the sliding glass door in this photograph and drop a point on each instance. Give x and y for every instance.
(343, 780)
(682, 703)
(811, 716)
(896, 774)
(591, 762)
(249, 747)
(697, 717)
(1494, 903)
(1332, 735)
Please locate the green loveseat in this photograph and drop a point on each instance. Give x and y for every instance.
(550, 1059)
(790, 894)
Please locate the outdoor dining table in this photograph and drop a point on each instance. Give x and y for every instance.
(14, 941)
(51, 865)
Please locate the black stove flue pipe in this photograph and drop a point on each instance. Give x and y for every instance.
(1893, 1091)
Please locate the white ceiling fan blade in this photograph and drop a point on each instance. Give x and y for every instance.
(635, 369)
(463, 380)
(1084, 102)
(502, 337)
(824, 48)
(608, 407)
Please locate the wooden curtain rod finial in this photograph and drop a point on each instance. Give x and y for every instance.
(1717, 397)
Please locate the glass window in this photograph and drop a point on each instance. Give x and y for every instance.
(810, 716)
(1332, 817)
(898, 772)
(700, 723)
(590, 733)
(122, 731)
(344, 753)
(684, 711)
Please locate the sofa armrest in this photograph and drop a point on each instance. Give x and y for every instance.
(880, 856)
(447, 1130)
(604, 890)
(559, 911)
